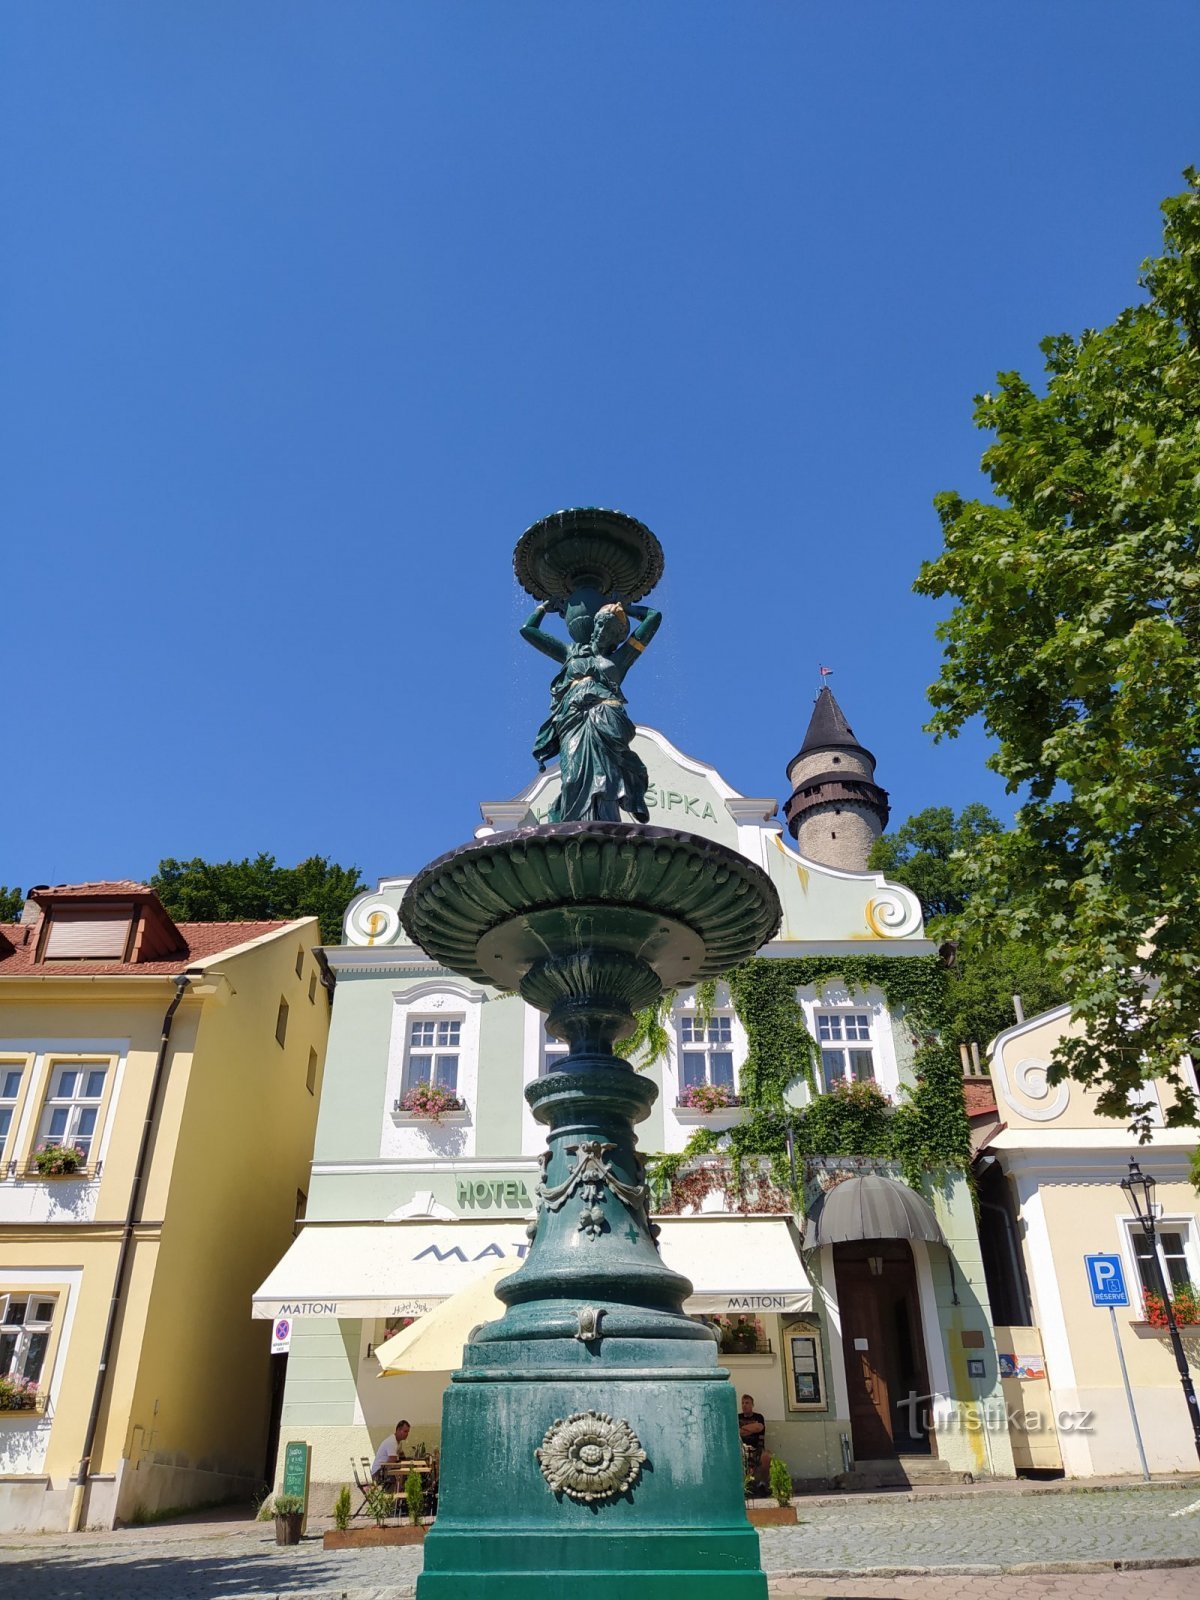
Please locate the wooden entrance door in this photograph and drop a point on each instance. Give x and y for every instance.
(883, 1348)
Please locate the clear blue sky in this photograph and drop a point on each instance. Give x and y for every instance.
(307, 310)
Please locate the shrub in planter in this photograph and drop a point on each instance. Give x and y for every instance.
(341, 1509)
(743, 1337)
(414, 1497)
(56, 1160)
(381, 1503)
(780, 1482)
(289, 1514)
(430, 1101)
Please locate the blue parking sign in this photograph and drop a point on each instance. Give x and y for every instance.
(1106, 1280)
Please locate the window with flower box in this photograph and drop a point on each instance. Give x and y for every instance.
(847, 1055)
(71, 1111)
(706, 1053)
(433, 1050)
(740, 1335)
(26, 1323)
(1175, 1246)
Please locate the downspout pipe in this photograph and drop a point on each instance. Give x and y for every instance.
(182, 980)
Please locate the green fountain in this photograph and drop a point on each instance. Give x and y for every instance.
(589, 1442)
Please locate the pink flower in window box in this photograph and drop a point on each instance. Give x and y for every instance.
(56, 1160)
(707, 1097)
(19, 1394)
(429, 1101)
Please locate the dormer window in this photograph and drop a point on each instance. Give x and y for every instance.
(91, 934)
(120, 922)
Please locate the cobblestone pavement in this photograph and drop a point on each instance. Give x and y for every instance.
(848, 1548)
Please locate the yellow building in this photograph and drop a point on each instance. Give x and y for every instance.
(178, 1067)
(1049, 1171)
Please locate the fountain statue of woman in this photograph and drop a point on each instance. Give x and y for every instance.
(588, 727)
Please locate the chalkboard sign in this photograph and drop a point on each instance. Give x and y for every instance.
(297, 1456)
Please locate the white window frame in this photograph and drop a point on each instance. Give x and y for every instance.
(850, 1034)
(76, 1105)
(551, 1052)
(400, 1137)
(834, 995)
(701, 1043)
(438, 1050)
(1173, 1223)
(10, 1105)
(16, 1362)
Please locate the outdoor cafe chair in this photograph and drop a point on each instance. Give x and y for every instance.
(363, 1482)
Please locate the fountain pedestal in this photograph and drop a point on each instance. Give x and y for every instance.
(589, 1441)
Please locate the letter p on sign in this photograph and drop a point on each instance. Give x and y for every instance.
(1106, 1280)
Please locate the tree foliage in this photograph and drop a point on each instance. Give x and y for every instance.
(926, 854)
(1076, 636)
(258, 890)
(12, 903)
(931, 854)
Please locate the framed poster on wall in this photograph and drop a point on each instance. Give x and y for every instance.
(804, 1367)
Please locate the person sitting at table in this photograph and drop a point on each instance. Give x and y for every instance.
(752, 1428)
(390, 1450)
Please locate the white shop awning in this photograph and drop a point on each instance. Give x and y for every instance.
(737, 1263)
(404, 1269)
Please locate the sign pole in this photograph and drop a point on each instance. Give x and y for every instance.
(1106, 1281)
(1137, 1432)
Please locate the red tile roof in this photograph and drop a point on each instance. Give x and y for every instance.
(117, 889)
(201, 939)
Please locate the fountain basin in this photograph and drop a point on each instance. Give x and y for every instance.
(575, 911)
(588, 548)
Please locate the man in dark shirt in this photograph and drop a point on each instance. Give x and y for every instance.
(752, 1429)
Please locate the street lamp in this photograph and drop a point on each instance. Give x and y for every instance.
(1139, 1188)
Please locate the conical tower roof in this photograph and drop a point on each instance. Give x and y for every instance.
(844, 780)
(828, 730)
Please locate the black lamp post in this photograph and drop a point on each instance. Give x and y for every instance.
(1139, 1187)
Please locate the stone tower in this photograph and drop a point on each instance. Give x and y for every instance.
(836, 810)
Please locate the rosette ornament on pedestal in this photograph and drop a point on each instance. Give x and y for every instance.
(590, 1456)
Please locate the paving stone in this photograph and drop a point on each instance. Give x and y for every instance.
(852, 1548)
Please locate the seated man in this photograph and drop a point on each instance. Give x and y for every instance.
(390, 1450)
(752, 1428)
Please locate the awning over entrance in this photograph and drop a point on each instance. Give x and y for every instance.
(870, 1207)
(404, 1269)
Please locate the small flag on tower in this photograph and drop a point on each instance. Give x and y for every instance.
(824, 671)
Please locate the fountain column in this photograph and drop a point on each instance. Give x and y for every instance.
(589, 1441)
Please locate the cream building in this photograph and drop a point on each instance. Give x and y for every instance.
(179, 1066)
(1050, 1169)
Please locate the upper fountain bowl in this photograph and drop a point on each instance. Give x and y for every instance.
(587, 548)
(678, 907)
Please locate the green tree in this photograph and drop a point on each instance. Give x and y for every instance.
(12, 903)
(926, 855)
(258, 890)
(931, 854)
(1076, 636)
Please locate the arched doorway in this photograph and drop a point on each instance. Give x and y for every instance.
(887, 1376)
